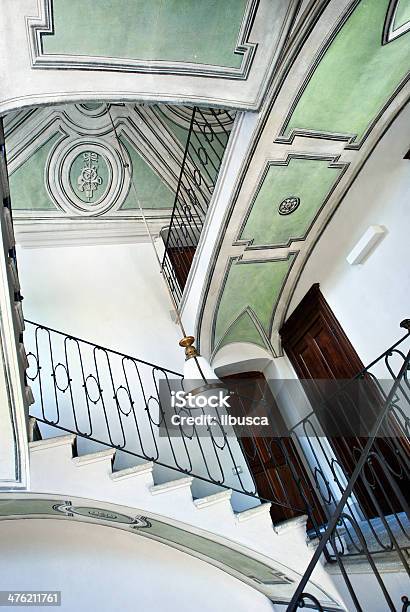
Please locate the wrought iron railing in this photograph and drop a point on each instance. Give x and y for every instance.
(115, 399)
(204, 148)
(367, 506)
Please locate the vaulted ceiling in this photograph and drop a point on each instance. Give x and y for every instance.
(181, 51)
(326, 76)
(333, 98)
(68, 165)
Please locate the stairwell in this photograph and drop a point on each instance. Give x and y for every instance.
(57, 469)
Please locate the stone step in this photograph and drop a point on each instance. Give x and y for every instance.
(131, 472)
(254, 513)
(47, 443)
(95, 457)
(222, 497)
(172, 485)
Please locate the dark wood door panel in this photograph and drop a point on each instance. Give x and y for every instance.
(319, 349)
(274, 462)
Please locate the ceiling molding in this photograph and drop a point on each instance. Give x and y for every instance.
(85, 232)
(43, 24)
(269, 144)
(267, 576)
(390, 30)
(71, 178)
(263, 36)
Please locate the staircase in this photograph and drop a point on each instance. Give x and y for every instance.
(57, 469)
(111, 400)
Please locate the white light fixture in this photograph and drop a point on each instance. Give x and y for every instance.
(366, 244)
(197, 370)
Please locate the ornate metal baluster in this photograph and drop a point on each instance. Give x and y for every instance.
(199, 170)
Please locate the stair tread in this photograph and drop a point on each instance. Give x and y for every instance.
(52, 442)
(171, 485)
(255, 512)
(135, 470)
(216, 498)
(94, 457)
(292, 523)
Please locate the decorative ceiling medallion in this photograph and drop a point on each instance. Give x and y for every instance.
(288, 205)
(88, 181)
(86, 176)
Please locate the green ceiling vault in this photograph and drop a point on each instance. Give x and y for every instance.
(344, 92)
(175, 30)
(74, 173)
(27, 187)
(152, 191)
(244, 330)
(29, 192)
(356, 76)
(310, 180)
(402, 13)
(254, 285)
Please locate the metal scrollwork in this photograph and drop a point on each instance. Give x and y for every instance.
(305, 597)
(115, 400)
(201, 163)
(370, 473)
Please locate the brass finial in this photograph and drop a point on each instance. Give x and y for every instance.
(188, 344)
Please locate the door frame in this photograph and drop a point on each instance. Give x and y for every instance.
(314, 303)
(313, 309)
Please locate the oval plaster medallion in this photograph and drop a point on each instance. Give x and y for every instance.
(87, 176)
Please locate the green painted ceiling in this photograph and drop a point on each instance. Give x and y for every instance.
(176, 30)
(152, 191)
(62, 139)
(308, 179)
(356, 75)
(244, 330)
(254, 285)
(402, 13)
(27, 188)
(355, 78)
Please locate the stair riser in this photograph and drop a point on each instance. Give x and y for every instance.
(54, 470)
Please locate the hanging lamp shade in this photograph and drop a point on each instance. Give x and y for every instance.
(199, 376)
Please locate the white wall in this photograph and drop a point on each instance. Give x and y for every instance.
(113, 296)
(370, 299)
(109, 294)
(104, 569)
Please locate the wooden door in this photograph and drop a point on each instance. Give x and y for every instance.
(273, 461)
(319, 349)
(181, 260)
